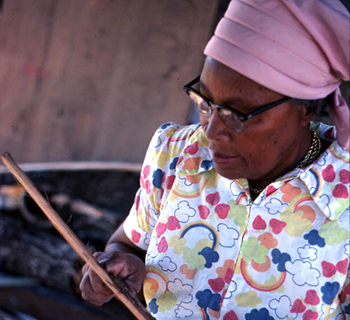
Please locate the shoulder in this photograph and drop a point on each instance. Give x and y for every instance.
(167, 144)
(171, 137)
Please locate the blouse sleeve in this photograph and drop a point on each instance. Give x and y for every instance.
(156, 172)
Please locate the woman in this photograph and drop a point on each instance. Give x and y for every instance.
(246, 215)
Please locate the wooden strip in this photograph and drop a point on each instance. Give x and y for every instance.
(78, 165)
(115, 285)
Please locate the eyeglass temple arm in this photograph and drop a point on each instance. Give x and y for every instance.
(246, 117)
(192, 82)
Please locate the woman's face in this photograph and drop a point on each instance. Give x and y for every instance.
(270, 143)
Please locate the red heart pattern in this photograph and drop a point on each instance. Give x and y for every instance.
(342, 266)
(328, 269)
(192, 148)
(160, 229)
(340, 191)
(344, 176)
(213, 198)
(312, 298)
(277, 225)
(259, 223)
(231, 315)
(298, 307)
(222, 210)
(173, 223)
(328, 173)
(216, 284)
(162, 245)
(203, 211)
(310, 315)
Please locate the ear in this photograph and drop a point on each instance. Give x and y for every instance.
(340, 115)
(306, 115)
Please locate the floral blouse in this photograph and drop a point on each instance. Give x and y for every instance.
(213, 253)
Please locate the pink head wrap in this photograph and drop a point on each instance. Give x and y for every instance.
(299, 48)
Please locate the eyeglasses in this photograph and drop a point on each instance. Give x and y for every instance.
(233, 119)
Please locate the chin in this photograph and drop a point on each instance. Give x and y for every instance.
(232, 174)
(229, 173)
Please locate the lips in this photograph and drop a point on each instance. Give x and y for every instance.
(224, 158)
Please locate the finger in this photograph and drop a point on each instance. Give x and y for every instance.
(101, 257)
(134, 285)
(130, 270)
(94, 280)
(85, 285)
(85, 268)
(88, 293)
(97, 284)
(98, 300)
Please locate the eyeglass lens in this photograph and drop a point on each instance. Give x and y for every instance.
(200, 104)
(228, 117)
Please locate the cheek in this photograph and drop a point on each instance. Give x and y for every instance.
(274, 146)
(260, 148)
(273, 139)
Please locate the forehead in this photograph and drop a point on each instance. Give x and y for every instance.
(223, 84)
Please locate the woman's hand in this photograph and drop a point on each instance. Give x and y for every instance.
(127, 266)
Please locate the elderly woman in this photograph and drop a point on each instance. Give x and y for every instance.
(246, 215)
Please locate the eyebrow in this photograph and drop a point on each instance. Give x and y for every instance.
(228, 103)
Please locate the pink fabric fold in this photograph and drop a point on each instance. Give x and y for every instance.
(299, 48)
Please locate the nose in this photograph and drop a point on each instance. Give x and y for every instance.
(215, 128)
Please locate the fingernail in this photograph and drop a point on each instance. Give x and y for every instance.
(103, 260)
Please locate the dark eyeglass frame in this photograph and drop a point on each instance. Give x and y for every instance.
(241, 116)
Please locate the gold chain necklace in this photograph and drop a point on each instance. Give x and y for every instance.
(313, 151)
(311, 155)
(257, 191)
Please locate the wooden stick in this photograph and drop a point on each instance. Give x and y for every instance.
(116, 285)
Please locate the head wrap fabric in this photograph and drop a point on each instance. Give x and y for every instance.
(299, 48)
